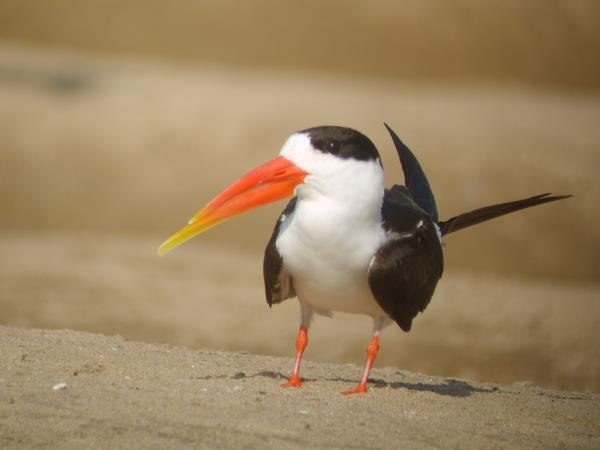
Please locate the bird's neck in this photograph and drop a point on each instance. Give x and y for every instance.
(356, 194)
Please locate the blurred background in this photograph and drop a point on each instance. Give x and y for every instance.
(118, 120)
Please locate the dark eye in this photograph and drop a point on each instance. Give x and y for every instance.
(333, 146)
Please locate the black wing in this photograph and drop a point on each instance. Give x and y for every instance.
(414, 177)
(279, 285)
(405, 270)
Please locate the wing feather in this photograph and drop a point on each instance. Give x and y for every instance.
(415, 179)
(279, 285)
(404, 272)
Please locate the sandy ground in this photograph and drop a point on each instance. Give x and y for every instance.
(124, 394)
(477, 327)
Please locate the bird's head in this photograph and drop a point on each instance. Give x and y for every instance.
(323, 160)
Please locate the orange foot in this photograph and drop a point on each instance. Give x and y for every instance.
(360, 389)
(294, 381)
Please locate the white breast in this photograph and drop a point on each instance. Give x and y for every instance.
(328, 241)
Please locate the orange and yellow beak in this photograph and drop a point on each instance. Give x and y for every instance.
(272, 181)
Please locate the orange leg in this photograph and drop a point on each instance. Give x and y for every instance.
(301, 343)
(372, 350)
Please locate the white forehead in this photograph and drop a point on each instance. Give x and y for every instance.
(296, 147)
(299, 150)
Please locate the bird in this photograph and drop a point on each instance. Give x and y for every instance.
(345, 243)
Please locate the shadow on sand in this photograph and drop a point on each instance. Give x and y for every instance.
(451, 387)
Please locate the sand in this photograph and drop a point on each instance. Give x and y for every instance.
(79, 390)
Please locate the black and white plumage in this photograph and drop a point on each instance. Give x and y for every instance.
(344, 243)
(384, 263)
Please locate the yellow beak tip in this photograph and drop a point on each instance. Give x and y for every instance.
(183, 235)
(162, 249)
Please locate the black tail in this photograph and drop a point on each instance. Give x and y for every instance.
(490, 212)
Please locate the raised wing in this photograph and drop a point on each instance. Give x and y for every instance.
(279, 285)
(414, 177)
(404, 272)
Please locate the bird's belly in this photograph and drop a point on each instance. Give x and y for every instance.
(352, 297)
(329, 266)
